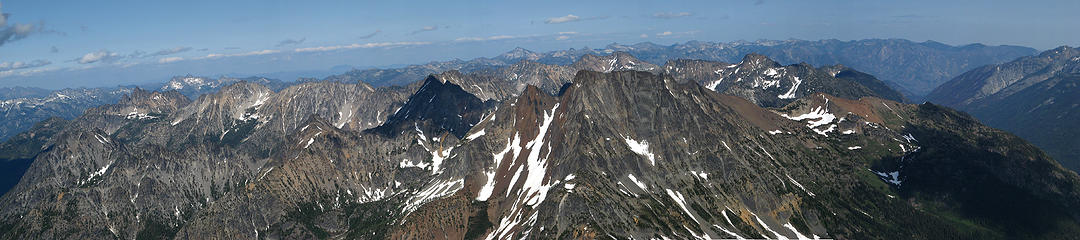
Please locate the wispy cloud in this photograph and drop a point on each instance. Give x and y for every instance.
(54, 50)
(571, 18)
(426, 29)
(162, 52)
(253, 53)
(668, 34)
(759, 2)
(99, 56)
(288, 42)
(357, 45)
(170, 59)
(7, 66)
(671, 15)
(491, 38)
(371, 35)
(563, 19)
(26, 72)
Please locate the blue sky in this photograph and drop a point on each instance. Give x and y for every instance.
(55, 44)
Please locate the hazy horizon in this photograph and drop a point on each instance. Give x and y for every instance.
(108, 44)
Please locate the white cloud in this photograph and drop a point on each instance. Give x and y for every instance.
(675, 34)
(562, 37)
(26, 72)
(99, 56)
(170, 59)
(644, 35)
(563, 19)
(567, 33)
(220, 55)
(491, 38)
(356, 45)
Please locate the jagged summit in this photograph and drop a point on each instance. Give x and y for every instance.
(616, 61)
(518, 54)
(767, 83)
(757, 61)
(154, 99)
(626, 154)
(439, 106)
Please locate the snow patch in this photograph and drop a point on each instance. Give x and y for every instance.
(475, 135)
(890, 177)
(641, 148)
(638, 183)
(766, 227)
(823, 117)
(97, 173)
(799, 185)
(436, 190)
(798, 235)
(678, 197)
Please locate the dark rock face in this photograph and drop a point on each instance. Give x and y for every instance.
(1034, 97)
(621, 154)
(449, 108)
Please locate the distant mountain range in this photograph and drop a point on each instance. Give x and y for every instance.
(1035, 97)
(27, 108)
(606, 146)
(913, 68)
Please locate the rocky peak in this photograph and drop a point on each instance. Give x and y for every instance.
(439, 106)
(142, 104)
(616, 61)
(1061, 53)
(757, 61)
(518, 54)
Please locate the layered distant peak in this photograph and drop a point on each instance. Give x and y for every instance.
(237, 101)
(1034, 97)
(439, 106)
(1007, 78)
(767, 83)
(167, 99)
(518, 54)
(1062, 52)
(187, 82)
(617, 61)
(878, 87)
(757, 61)
(142, 104)
(192, 87)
